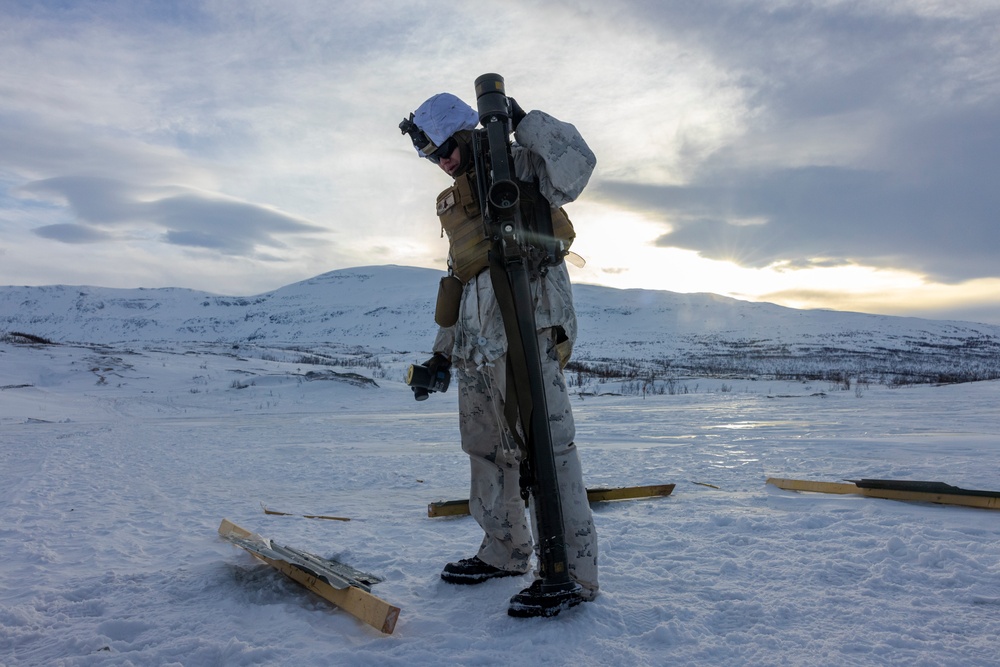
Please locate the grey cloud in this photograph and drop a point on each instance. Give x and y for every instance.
(797, 43)
(93, 199)
(196, 239)
(189, 218)
(70, 233)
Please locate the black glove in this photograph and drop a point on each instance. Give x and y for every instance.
(431, 376)
(517, 114)
(438, 364)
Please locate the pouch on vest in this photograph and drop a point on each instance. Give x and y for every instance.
(562, 228)
(462, 221)
(563, 346)
(449, 299)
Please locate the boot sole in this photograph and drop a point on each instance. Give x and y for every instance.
(472, 579)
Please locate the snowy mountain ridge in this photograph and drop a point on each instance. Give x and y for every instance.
(386, 310)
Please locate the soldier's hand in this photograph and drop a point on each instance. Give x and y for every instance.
(517, 114)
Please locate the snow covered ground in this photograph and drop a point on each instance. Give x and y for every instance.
(117, 468)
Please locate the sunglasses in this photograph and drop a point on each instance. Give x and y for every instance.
(446, 149)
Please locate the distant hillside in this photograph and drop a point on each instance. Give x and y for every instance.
(639, 334)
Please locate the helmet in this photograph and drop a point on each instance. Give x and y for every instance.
(439, 118)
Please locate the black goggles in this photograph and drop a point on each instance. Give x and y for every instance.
(446, 149)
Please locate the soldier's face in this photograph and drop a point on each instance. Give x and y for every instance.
(450, 164)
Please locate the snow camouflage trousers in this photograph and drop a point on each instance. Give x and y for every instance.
(494, 497)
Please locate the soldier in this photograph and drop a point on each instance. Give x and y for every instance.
(472, 338)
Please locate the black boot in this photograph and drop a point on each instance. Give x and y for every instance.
(473, 571)
(540, 600)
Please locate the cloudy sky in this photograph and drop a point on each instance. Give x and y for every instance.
(823, 153)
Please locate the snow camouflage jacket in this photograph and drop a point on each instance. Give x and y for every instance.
(553, 152)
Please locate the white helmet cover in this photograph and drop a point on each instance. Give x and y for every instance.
(442, 116)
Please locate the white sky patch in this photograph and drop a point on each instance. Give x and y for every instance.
(891, 293)
(619, 250)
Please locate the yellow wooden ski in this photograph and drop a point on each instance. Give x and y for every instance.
(928, 492)
(335, 582)
(461, 507)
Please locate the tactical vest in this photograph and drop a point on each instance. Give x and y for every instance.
(461, 219)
